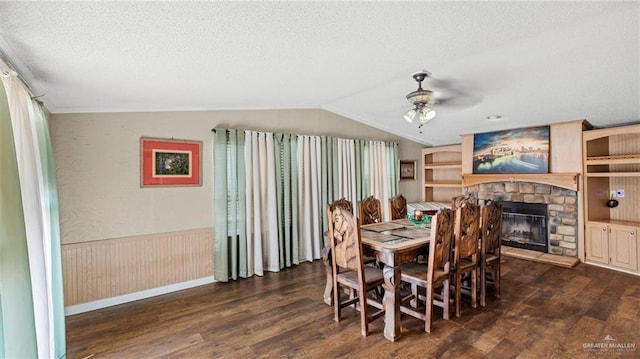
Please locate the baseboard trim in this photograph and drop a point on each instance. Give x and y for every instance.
(108, 302)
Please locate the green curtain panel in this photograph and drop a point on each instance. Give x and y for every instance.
(40, 219)
(17, 327)
(363, 178)
(287, 195)
(392, 163)
(230, 238)
(51, 197)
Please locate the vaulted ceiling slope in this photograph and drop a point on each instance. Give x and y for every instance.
(530, 62)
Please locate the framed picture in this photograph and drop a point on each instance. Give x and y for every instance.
(524, 150)
(407, 170)
(169, 162)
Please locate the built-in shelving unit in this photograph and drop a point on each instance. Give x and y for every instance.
(442, 167)
(612, 171)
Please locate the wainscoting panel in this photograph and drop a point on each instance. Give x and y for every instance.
(110, 268)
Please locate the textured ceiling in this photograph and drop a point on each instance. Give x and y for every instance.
(531, 62)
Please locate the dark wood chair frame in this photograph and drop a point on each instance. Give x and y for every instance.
(466, 252)
(398, 207)
(490, 242)
(370, 210)
(433, 275)
(349, 270)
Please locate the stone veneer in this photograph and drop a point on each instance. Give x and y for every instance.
(562, 209)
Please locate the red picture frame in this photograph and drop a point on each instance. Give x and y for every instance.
(169, 162)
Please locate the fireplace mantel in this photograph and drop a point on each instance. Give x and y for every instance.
(568, 180)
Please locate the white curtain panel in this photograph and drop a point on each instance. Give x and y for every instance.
(379, 174)
(261, 201)
(36, 211)
(310, 207)
(347, 171)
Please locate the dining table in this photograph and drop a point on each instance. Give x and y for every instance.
(392, 243)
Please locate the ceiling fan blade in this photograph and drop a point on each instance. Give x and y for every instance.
(458, 101)
(450, 92)
(437, 83)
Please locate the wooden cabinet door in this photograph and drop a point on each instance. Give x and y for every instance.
(623, 247)
(597, 243)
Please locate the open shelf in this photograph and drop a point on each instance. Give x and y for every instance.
(612, 160)
(443, 184)
(442, 166)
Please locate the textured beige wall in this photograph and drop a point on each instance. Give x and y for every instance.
(98, 166)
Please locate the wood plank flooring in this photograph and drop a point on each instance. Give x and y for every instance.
(546, 311)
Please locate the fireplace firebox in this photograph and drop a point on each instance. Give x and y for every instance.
(524, 225)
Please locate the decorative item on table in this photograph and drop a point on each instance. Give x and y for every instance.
(418, 219)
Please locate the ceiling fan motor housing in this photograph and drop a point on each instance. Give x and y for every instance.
(420, 97)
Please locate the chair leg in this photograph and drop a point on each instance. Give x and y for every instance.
(483, 285)
(429, 305)
(364, 322)
(414, 291)
(474, 288)
(353, 294)
(336, 304)
(496, 280)
(458, 288)
(446, 299)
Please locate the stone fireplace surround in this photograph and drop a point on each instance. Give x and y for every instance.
(562, 208)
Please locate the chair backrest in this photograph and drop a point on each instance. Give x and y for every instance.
(370, 210)
(467, 232)
(342, 203)
(491, 227)
(441, 244)
(459, 201)
(344, 237)
(398, 207)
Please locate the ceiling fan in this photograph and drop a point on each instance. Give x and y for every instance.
(421, 99)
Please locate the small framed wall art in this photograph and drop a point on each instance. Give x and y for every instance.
(407, 170)
(169, 162)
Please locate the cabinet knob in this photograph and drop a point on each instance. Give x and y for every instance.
(632, 233)
(604, 229)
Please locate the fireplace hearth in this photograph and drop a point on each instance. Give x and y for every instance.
(524, 225)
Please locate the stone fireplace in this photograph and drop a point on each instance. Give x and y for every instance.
(561, 210)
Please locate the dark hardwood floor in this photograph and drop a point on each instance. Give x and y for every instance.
(545, 312)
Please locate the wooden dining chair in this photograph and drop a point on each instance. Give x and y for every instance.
(342, 203)
(398, 207)
(490, 241)
(466, 244)
(434, 274)
(459, 201)
(370, 211)
(349, 270)
(326, 251)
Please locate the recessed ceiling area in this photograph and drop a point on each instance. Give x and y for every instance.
(532, 63)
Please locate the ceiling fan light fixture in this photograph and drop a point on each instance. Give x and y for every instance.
(410, 115)
(420, 98)
(426, 114)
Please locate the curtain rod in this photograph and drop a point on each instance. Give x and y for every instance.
(295, 134)
(9, 65)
